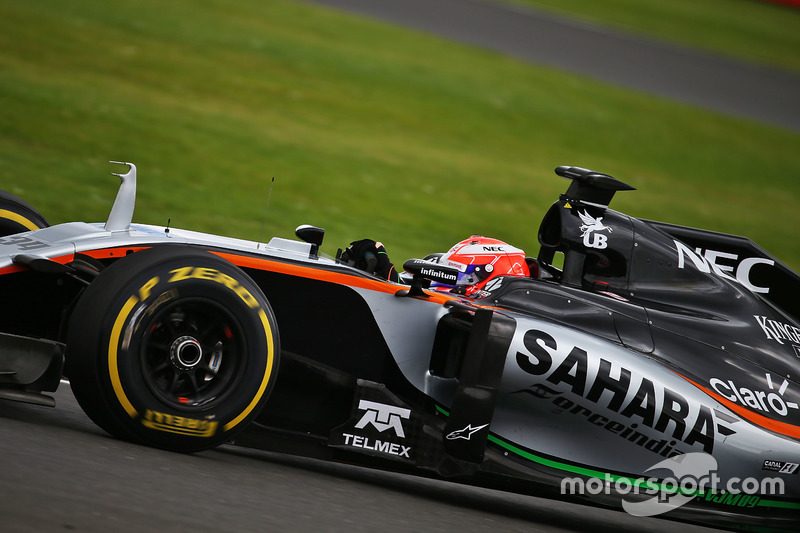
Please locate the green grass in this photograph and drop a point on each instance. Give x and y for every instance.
(369, 130)
(754, 30)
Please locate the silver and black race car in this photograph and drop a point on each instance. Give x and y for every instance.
(642, 366)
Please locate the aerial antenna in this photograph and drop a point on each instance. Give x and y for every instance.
(264, 221)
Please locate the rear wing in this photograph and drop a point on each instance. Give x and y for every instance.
(739, 259)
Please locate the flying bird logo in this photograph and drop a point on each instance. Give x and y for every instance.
(589, 227)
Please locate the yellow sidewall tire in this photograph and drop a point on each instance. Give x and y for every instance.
(17, 216)
(173, 348)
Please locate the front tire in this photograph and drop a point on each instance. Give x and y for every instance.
(17, 216)
(172, 348)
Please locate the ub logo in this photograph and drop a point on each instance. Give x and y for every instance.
(589, 227)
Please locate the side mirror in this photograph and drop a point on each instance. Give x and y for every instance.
(312, 235)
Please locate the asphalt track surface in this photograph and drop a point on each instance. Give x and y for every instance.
(59, 472)
(704, 80)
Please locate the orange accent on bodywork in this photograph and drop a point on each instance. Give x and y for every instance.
(777, 426)
(257, 263)
(11, 269)
(103, 253)
(107, 253)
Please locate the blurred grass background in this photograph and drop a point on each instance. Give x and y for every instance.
(754, 30)
(369, 130)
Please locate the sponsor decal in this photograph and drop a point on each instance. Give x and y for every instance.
(770, 401)
(383, 417)
(780, 467)
(454, 264)
(493, 284)
(614, 296)
(182, 425)
(465, 433)
(444, 276)
(589, 227)
(633, 433)
(779, 331)
(375, 430)
(210, 274)
(709, 261)
(391, 448)
(22, 242)
(540, 391)
(611, 386)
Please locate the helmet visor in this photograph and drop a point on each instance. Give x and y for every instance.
(473, 274)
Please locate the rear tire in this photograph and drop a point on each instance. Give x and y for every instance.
(172, 348)
(17, 216)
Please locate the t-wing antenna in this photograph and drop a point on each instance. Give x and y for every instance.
(591, 187)
(122, 211)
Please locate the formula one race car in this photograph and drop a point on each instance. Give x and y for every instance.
(640, 366)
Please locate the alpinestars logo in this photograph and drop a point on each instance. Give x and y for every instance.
(465, 433)
(589, 227)
(383, 417)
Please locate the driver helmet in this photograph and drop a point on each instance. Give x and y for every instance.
(480, 259)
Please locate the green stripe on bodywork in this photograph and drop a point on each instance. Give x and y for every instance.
(779, 504)
(541, 460)
(603, 475)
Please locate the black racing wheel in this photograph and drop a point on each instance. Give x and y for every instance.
(173, 348)
(17, 216)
